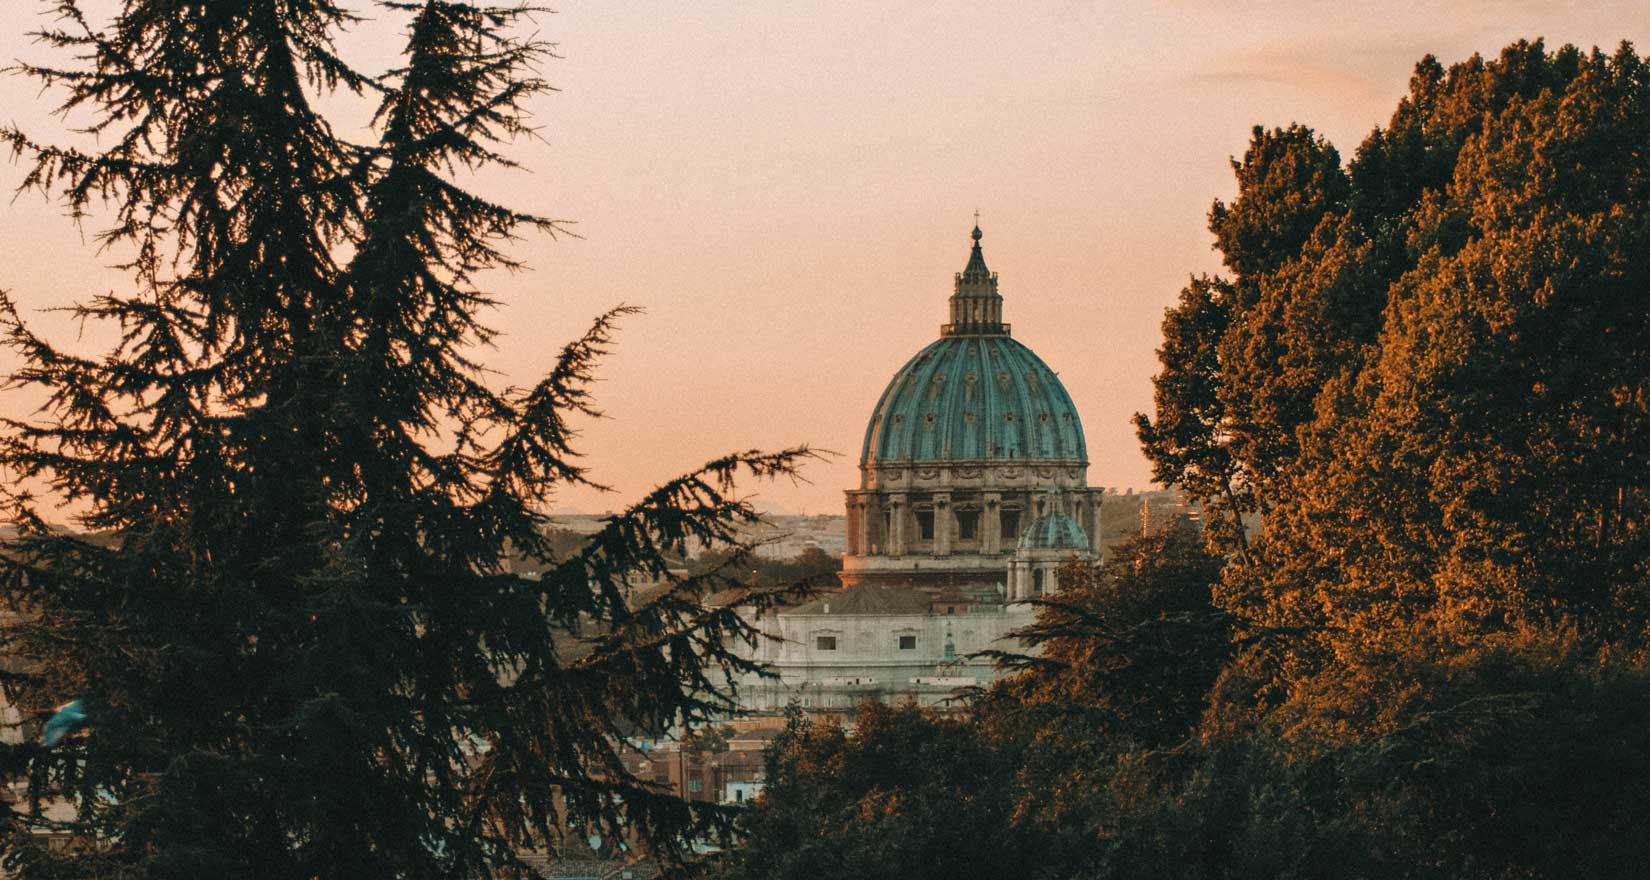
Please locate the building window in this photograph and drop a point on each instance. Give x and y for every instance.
(907, 643)
(1011, 527)
(695, 786)
(825, 643)
(1037, 582)
(968, 524)
(925, 525)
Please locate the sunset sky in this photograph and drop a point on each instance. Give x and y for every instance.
(787, 188)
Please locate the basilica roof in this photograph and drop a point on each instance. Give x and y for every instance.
(975, 394)
(865, 599)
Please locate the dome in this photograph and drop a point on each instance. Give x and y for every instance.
(975, 394)
(1056, 531)
(974, 398)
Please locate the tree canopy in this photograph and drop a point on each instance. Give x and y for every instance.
(1427, 367)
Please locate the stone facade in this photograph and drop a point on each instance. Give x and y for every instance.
(873, 643)
(957, 525)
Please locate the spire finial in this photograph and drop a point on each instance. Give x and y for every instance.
(976, 308)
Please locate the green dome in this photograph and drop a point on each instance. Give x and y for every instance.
(1055, 531)
(974, 398)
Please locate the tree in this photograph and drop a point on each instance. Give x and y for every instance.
(1134, 645)
(1427, 369)
(1446, 609)
(1245, 358)
(910, 794)
(1110, 686)
(1437, 395)
(1189, 443)
(1481, 474)
(289, 615)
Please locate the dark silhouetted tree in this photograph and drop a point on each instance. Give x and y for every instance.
(290, 615)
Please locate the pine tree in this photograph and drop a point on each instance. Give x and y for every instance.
(290, 609)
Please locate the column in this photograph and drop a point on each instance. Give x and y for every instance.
(896, 524)
(942, 523)
(991, 524)
(1096, 498)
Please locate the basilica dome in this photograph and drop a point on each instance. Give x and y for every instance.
(975, 394)
(1056, 531)
(974, 398)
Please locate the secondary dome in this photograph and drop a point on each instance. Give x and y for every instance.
(1056, 531)
(975, 394)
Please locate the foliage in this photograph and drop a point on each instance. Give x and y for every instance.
(1520, 758)
(1133, 645)
(1437, 394)
(298, 638)
(911, 794)
(812, 566)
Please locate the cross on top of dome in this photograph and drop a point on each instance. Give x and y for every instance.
(976, 270)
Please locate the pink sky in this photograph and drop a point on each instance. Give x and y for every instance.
(788, 187)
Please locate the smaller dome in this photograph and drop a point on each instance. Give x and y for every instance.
(1056, 531)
